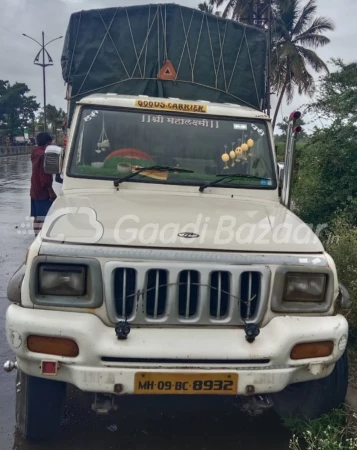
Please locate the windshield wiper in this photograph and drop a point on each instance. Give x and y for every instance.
(232, 175)
(157, 168)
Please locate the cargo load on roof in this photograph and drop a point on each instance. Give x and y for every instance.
(164, 51)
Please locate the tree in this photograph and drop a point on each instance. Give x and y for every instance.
(17, 109)
(297, 31)
(55, 117)
(283, 127)
(328, 165)
(337, 99)
(253, 12)
(208, 8)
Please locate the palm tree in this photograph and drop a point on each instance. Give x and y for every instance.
(55, 117)
(254, 12)
(297, 32)
(208, 8)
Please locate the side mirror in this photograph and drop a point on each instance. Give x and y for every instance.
(53, 159)
(281, 170)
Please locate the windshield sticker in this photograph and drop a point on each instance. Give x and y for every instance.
(239, 126)
(265, 183)
(171, 106)
(147, 118)
(258, 130)
(90, 116)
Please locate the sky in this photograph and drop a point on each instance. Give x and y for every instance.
(52, 16)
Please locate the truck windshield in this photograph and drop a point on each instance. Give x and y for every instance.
(112, 144)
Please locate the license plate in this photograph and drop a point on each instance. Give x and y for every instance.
(186, 383)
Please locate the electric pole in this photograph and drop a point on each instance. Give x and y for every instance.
(270, 25)
(43, 64)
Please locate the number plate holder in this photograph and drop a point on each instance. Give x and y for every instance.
(186, 383)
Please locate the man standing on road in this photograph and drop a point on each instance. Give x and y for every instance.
(42, 193)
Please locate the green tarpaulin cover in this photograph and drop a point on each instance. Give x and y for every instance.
(122, 50)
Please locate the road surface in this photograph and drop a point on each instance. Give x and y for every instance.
(150, 423)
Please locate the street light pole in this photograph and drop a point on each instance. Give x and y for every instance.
(270, 25)
(44, 83)
(43, 64)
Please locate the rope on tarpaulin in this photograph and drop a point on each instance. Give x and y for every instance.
(185, 44)
(242, 102)
(74, 47)
(133, 41)
(145, 43)
(221, 57)
(101, 45)
(116, 49)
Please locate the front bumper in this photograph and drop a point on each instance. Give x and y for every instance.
(264, 365)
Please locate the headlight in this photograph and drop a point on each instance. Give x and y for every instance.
(62, 280)
(305, 287)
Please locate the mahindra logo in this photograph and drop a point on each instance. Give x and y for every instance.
(188, 235)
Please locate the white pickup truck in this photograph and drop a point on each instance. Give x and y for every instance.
(170, 264)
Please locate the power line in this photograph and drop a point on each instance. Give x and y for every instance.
(10, 31)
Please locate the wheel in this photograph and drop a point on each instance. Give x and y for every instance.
(313, 399)
(39, 406)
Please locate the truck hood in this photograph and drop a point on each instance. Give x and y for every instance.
(175, 220)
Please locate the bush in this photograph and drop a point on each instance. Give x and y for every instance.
(326, 175)
(334, 431)
(341, 244)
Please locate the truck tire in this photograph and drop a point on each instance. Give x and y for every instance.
(39, 406)
(313, 399)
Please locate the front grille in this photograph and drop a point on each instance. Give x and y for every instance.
(124, 292)
(188, 293)
(156, 292)
(219, 294)
(176, 294)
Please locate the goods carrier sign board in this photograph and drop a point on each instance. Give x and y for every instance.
(171, 106)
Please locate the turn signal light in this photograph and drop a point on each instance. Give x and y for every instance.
(53, 346)
(312, 350)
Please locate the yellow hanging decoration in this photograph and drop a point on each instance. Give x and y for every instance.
(225, 158)
(245, 148)
(250, 143)
(238, 152)
(232, 154)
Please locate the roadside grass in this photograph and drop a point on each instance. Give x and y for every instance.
(334, 431)
(352, 362)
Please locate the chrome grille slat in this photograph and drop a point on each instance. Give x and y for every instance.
(204, 303)
(185, 293)
(124, 292)
(156, 294)
(249, 295)
(188, 294)
(219, 294)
